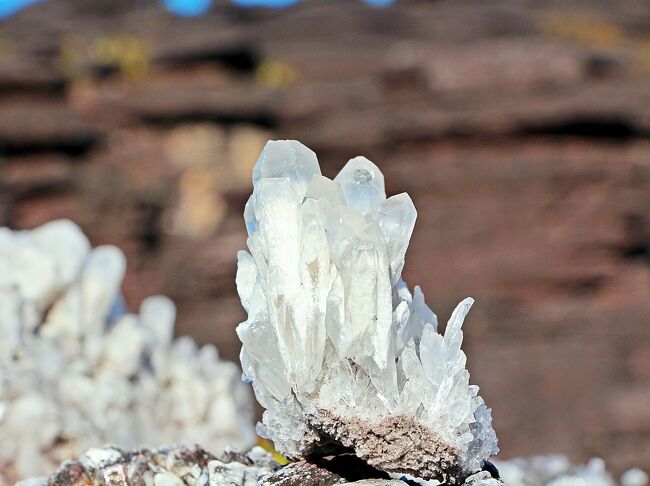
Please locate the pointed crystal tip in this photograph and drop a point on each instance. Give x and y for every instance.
(362, 184)
(287, 159)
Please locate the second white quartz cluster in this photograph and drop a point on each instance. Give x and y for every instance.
(340, 353)
(78, 371)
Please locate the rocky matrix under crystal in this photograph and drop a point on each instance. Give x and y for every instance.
(339, 351)
(78, 371)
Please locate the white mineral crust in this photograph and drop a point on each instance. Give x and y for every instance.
(78, 371)
(557, 470)
(336, 346)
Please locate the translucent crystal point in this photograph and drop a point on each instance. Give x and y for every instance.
(396, 217)
(41, 262)
(362, 184)
(287, 159)
(323, 188)
(158, 313)
(66, 244)
(100, 282)
(335, 345)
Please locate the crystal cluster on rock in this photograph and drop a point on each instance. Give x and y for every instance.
(339, 351)
(78, 371)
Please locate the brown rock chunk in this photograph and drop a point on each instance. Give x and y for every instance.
(396, 444)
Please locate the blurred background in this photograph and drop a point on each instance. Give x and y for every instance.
(520, 128)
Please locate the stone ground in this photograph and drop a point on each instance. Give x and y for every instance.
(194, 466)
(520, 128)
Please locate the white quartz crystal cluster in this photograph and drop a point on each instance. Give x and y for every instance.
(339, 351)
(78, 371)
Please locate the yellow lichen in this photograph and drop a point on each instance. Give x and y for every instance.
(584, 29)
(276, 74)
(124, 52)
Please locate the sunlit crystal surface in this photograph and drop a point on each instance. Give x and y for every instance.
(78, 371)
(335, 344)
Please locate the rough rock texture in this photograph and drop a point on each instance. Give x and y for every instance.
(162, 467)
(193, 466)
(397, 444)
(302, 472)
(482, 479)
(521, 126)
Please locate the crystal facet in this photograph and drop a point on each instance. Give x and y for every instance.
(362, 184)
(287, 159)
